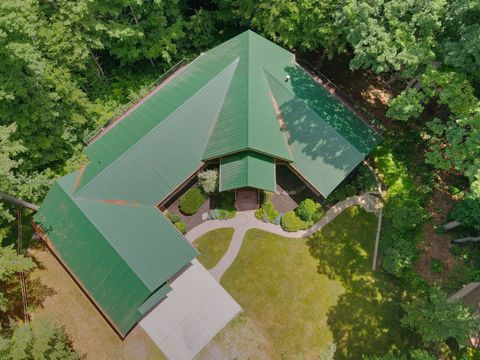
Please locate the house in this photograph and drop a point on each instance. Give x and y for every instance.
(245, 104)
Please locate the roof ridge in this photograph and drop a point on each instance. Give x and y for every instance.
(80, 190)
(89, 219)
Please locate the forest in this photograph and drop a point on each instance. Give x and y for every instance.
(66, 67)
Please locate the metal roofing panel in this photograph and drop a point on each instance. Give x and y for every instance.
(247, 168)
(165, 157)
(145, 239)
(247, 119)
(321, 154)
(154, 299)
(101, 271)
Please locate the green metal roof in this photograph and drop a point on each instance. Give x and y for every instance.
(228, 103)
(247, 119)
(120, 253)
(247, 168)
(326, 139)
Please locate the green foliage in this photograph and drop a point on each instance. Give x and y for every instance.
(37, 340)
(11, 264)
(181, 226)
(390, 35)
(191, 201)
(306, 209)
(467, 211)
(419, 354)
(403, 213)
(436, 320)
(291, 222)
(408, 105)
(208, 181)
(436, 265)
(267, 212)
(305, 24)
(359, 181)
(174, 218)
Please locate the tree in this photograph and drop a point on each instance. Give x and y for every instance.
(436, 319)
(304, 24)
(208, 181)
(390, 35)
(48, 108)
(37, 340)
(467, 212)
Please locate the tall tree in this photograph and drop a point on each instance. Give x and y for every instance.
(437, 319)
(37, 340)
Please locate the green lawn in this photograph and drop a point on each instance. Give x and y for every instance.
(303, 294)
(213, 245)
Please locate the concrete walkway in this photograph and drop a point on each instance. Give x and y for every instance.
(246, 220)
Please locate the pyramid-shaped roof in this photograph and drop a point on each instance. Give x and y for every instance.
(247, 120)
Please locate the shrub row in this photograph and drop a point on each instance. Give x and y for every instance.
(177, 221)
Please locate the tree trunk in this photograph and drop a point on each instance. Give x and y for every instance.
(96, 62)
(18, 202)
(467, 239)
(452, 225)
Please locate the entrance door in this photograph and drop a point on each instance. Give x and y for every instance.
(246, 199)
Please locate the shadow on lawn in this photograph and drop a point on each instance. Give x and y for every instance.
(366, 318)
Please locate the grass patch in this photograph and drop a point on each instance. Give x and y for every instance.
(304, 294)
(213, 245)
(89, 332)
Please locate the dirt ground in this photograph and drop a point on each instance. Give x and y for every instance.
(373, 92)
(67, 306)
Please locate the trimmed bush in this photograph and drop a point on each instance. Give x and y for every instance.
(208, 181)
(267, 213)
(307, 209)
(291, 222)
(174, 218)
(191, 201)
(181, 226)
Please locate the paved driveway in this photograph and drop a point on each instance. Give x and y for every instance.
(196, 309)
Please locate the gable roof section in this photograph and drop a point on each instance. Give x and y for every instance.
(247, 120)
(247, 168)
(103, 253)
(152, 169)
(326, 139)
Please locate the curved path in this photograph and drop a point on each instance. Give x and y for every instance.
(246, 220)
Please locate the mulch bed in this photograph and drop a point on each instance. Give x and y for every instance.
(291, 191)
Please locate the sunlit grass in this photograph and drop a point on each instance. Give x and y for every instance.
(303, 294)
(213, 245)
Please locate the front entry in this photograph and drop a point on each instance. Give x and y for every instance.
(246, 199)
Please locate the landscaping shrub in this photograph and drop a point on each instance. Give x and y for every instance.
(307, 209)
(191, 201)
(221, 214)
(181, 226)
(174, 218)
(291, 222)
(267, 213)
(227, 210)
(436, 265)
(208, 181)
(227, 201)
